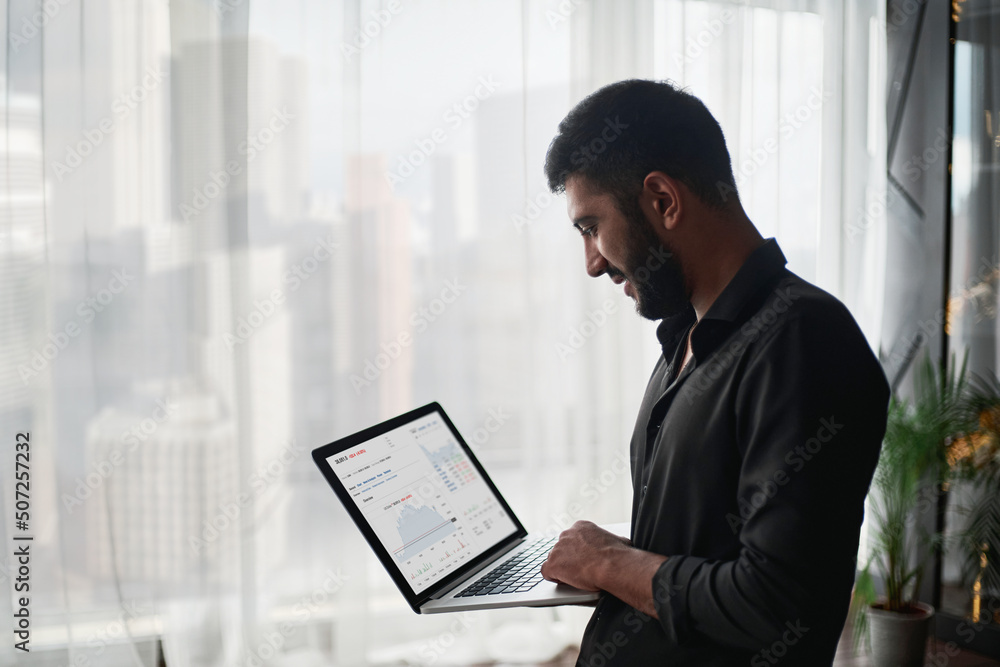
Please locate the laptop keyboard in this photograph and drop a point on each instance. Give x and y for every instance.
(517, 575)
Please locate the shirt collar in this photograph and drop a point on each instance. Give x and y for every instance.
(757, 271)
(763, 264)
(671, 328)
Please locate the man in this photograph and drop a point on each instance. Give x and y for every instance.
(761, 425)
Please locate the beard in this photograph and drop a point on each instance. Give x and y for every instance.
(653, 270)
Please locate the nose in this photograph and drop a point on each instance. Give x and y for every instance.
(596, 264)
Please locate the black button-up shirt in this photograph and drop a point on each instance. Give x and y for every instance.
(750, 471)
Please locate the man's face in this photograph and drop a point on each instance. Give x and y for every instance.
(627, 249)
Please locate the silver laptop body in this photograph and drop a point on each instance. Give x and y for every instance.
(436, 520)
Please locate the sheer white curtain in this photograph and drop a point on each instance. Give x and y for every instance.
(234, 230)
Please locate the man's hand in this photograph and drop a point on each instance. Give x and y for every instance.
(589, 557)
(580, 555)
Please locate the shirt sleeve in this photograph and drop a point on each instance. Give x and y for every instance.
(810, 413)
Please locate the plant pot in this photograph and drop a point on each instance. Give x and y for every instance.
(899, 639)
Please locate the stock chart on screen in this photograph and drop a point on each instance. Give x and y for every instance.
(424, 498)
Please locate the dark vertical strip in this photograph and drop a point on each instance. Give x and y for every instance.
(942, 498)
(947, 240)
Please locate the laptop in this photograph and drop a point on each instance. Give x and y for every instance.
(435, 519)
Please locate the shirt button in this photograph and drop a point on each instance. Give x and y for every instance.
(644, 487)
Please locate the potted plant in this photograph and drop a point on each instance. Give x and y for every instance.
(975, 459)
(912, 469)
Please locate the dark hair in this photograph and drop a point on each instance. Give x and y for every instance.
(624, 131)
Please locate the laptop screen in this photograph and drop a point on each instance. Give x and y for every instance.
(424, 499)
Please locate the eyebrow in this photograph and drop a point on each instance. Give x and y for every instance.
(582, 219)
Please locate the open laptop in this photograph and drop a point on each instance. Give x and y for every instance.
(436, 520)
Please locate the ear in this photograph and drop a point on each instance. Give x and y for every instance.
(664, 195)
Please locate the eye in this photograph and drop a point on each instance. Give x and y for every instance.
(588, 231)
